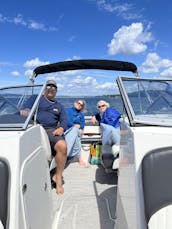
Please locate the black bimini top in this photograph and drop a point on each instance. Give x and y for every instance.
(86, 64)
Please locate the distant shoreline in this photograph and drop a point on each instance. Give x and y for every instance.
(89, 96)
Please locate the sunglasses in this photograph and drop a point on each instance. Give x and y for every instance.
(81, 104)
(51, 87)
(101, 106)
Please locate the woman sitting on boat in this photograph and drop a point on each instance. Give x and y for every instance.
(76, 123)
(108, 119)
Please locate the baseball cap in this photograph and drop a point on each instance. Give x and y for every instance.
(51, 82)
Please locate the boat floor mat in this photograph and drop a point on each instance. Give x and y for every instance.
(89, 200)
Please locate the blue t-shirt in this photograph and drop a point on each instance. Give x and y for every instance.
(50, 113)
(75, 116)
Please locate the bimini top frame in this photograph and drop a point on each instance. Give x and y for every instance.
(85, 64)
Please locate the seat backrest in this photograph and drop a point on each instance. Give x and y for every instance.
(91, 133)
(45, 143)
(156, 180)
(92, 129)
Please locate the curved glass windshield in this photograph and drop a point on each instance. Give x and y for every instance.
(147, 101)
(12, 101)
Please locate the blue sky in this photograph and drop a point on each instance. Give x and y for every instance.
(40, 32)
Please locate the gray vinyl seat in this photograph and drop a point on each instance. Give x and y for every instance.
(4, 184)
(156, 180)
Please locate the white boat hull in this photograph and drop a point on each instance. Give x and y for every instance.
(29, 194)
(135, 144)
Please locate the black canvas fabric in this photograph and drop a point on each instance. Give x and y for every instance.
(86, 64)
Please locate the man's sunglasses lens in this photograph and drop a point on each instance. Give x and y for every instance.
(50, 87)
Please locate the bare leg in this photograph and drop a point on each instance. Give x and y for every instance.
(60, 148)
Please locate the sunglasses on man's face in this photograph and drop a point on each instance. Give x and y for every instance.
(51, 87)
(101, 106)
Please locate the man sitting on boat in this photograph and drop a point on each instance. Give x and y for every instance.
(52, 116)
(108, 119)
(64, 135)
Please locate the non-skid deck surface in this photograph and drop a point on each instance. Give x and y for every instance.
(89, 199)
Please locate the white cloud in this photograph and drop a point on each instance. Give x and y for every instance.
(84, 82)
(130, 40)
(15, 73)
(74, 58)
(28, 73)
(107, 85)
(167, 73)
(71, 72)
(154, 63)
(125, 10)
(37, 26)
(3, 63)
(83, 85)
(73, 37)
(34, 63)
(30, 24)
(18, 20)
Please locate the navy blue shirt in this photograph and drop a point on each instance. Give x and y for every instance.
(51, 113)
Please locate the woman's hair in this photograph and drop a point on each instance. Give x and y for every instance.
(104, 102)
(83, 109)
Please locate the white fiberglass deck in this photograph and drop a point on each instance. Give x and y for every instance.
(89, 200)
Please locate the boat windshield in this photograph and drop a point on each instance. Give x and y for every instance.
(147, 101)
(12, 101)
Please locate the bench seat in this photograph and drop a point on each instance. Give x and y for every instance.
(92, 133)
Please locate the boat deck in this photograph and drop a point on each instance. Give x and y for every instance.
(89, 200)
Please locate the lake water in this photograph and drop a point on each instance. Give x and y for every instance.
(91, 103)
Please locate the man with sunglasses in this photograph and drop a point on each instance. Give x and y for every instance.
(108, 119)
(52, 116)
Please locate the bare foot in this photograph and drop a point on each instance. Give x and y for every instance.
(59, 187)
(81, 161)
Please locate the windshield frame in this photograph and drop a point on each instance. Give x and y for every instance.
(142, 119)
